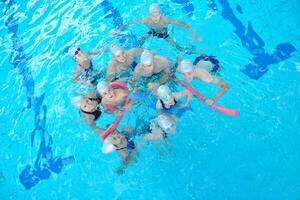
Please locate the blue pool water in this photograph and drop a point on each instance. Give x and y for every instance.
(48, 152)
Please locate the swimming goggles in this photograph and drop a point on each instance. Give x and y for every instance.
(77, 51)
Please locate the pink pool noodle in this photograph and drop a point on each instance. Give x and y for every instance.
(114, 125)
(200, 96)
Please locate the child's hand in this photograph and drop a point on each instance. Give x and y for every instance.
(115, 32)
(197, 37)
(209, 102)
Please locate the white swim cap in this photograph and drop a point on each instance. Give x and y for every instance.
(72, 50)
(185, 66)
(76, 101)
(163, 92)
(154, 7)
(107, 146)
(102, 86)
(115, 49)
(165, 122)
(146, 57)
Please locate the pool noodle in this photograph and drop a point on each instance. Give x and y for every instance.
(113, 126)
(202, 98)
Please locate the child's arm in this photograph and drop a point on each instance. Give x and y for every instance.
(182, 24)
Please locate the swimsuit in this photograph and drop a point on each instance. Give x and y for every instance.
(164, 106)
(87, 74)
(174, 109)
(160, 34)
(134, 64)
(129, 148)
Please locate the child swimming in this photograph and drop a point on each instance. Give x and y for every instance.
(112, 98)
(191, 72)
(123, 145)
(89, 106)
(157, 24)
(169, 102)
(84, 72)
(150, 65)
(160, 129)
(122, 63)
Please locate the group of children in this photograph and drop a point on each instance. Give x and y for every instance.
(140, 68)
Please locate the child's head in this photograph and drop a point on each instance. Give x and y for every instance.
(154, 11)
(186, 69)
(118, 52)
(165, 94)
(147, 59)
(166, 123)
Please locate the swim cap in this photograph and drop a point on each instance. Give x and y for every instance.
(154, 7)
(165, 122)
(107, 147)
(102, 86)
(185, 66)
(115, 49)
(146, 57)
(72, 50)
(76, 101)
(163, 92)
(153, 125)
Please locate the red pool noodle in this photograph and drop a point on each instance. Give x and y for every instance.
(113, 126)
(200, 96)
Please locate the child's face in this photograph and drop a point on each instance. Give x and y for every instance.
(155, 16)
(148, 67)
(109, 94)
(169, 100)
(88, 105)
(189, 76)
(121, 57)
(117, 138)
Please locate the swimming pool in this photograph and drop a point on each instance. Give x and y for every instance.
(214, 156)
